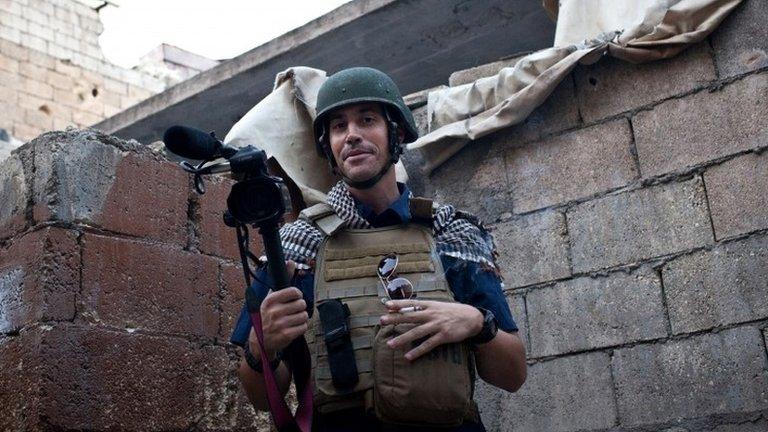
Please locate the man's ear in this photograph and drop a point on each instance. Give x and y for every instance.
(400, 134)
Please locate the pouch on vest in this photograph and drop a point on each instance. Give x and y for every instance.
(341, 358)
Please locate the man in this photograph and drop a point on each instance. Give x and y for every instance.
(402, 360)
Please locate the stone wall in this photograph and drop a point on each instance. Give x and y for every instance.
(631, 213)
(118, 291)
(53, 73)
(630, 210)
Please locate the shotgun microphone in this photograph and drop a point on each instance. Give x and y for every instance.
(191, 143)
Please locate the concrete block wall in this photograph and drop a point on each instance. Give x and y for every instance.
(119, 288)
(53, 73)
(631, 213)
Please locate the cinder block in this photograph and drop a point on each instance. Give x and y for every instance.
(159, 383)
(11, 6)
(67, 68)
(114, 86)
(35, 15)
(483, 189)
(612, 86)
(38, 88)
(564, 394)
(9, 65)
(570, 166)
(587, 313)
(232, 298)
(41, 32)
(516, 305)
(33, 71)
(10, 20)
(715, 373)
(741, 41)
(701, 127)
(33, 42)
(39, 278)
(726, 285)
(38, 119)
(42, 59)
(13, 50)
(14, 192)
(10, 34)
(128, 284)
(558, 112)
(25, 132)
(88, 177)
(215, 237)
(634, 226)
(85, 119)
(532, 248)
(19, 381)
(59, 81)
(738, 195)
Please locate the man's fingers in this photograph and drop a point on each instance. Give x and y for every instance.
(411, 335)
(284, 295)
(423, 348)
(401, 318)
(295, 319)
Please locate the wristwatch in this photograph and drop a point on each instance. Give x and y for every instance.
(255, 363)
(489, 330)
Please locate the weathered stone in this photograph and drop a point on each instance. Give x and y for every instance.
(686, 132)
(757, 425)
(20, 380)
(232, 299)
(488, 399)
(564, 394)
(483, 187)
(741, 41)
(709, 374)
(127, 284)
(726, 285)
(422, 122)
(633, 226)
(216, 238)
(570, 166)
(39, 278)
(516, 305)
(532, 248)
(107, 380)
(558, 112)
(738, 195)
(595, 313)
(84, 176)
(467, 76)
(13, 196)
(612, 86)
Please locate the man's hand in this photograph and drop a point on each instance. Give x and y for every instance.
(437, 322)
(284, 317)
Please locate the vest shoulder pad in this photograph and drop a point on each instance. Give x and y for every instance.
(422, 209)
(323, 217)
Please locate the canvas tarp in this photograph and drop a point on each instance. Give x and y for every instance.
(281, 125)
(458, 115)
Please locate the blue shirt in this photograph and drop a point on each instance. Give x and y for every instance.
(470, 282)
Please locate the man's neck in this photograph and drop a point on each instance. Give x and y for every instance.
(379, 196)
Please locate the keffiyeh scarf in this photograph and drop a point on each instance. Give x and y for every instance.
(457, 234)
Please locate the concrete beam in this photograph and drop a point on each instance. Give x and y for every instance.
(418, 42)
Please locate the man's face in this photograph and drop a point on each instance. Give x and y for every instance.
(358, 138)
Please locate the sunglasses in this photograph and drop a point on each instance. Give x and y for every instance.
(398, 288)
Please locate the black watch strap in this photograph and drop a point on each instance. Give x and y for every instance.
(489, 330)
(255, 363)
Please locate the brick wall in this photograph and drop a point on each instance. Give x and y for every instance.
(631, 212)
(53, 73)
(118, 292)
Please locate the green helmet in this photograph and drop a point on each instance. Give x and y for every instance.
(357, 85)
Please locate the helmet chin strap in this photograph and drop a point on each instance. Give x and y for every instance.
(395, 150)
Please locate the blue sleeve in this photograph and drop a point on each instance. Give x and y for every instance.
(261, 287)
(471, 284)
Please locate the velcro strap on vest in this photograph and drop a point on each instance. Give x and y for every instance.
(422, 209)
(367, 266)
(324, 218)
(362, 367)
(374, 289)
(341, 358)
(358, 343)
(375, 250)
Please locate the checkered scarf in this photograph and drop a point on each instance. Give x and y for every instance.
(457, 234)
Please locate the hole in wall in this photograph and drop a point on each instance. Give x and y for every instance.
(45, 108)
(95, 92)
(592, 81)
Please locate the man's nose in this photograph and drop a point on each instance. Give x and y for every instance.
(353, 134)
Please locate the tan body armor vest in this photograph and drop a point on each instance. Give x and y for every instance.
(435, 389)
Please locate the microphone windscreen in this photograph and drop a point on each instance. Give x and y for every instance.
(191, 143)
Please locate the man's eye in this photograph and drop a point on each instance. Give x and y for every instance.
(337, 126)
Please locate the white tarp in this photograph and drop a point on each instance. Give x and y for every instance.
(468, 112)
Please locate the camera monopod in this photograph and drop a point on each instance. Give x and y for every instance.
(256, 199)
